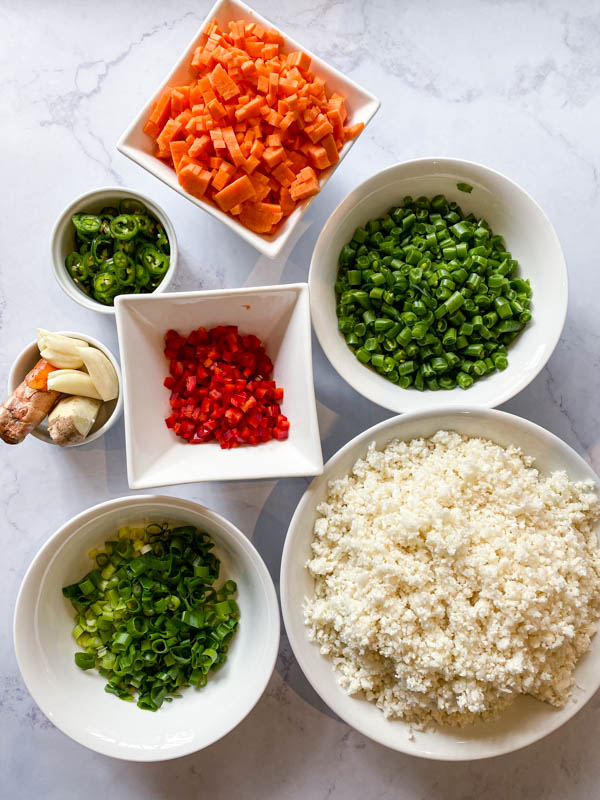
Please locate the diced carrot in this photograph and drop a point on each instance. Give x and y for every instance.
(261, 217)
(233, 146)
(217, 110)
(328, 144)
(257, 148)
(285, 199)
(299, 59)
(178, 102)
(254, 129)
(283, 174)
(178, 150)
(223, 84)
(159, 115)
(353, 130)
(273, 155)
(301, 190)
(200, 147)
(250, 109)
(194, 179)
(320, 128)
(237, 192)
(318, 156)
(166, 136)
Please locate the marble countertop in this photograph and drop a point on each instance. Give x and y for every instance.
(514, 84)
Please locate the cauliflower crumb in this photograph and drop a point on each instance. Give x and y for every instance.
(451, 576)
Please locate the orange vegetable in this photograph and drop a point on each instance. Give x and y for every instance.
(178, 151)
(194, 179)
(237, 192)
(37, 378)
(255, 128)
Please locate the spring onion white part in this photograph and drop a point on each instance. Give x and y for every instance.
(149, 616)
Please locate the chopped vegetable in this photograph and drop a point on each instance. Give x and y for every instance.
(149, 615)
(429, 297)
(221, 389)
(112, 251)
(255, 131)
(464, 187)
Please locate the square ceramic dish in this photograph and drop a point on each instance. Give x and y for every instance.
(280, 317)
(138, 146)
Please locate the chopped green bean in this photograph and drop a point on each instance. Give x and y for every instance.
(426, 294)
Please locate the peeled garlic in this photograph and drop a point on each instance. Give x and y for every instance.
(59, 342)
(101, 372)
(72, 381)
(61, 359)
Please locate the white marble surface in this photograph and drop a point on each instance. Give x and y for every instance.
(515, 85)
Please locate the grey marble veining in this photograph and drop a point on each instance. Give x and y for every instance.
(514, 84)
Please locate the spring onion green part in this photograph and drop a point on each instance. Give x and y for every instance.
(429, 297)
(149, 616)
(464, 187)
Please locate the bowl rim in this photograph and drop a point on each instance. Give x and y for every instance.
(252, 559)
(58, 269)
(368, 187)
(301, 291)
(14, 381)
(294, 531)
(269, 246)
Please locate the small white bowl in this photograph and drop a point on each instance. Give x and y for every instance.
(61, 240)
(109, 412)
(523, 723)
(140, 147)
(75, 701)
(280, 317)
(511, 212)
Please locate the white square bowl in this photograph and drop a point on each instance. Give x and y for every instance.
(280, 317)
(140, 147)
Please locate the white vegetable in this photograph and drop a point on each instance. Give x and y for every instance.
(59, 342)
(71, 419)
(61, 359)
(101, 372)
(72, 381)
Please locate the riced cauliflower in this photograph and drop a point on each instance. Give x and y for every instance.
(451, 576)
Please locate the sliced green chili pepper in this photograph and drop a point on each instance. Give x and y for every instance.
(86, 224)
(144, 223)
(142, 276)
(131, 206)
(105, 282)
(122, 249)
(101, 249)
(156, 263)
(123, 227)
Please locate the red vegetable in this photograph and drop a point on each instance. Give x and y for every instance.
(221, 388)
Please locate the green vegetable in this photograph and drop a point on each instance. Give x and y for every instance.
(149, 616)
(464, 187)
(121, 250)
(428, 296)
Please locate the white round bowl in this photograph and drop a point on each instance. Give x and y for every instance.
(75, 701)
(109, 412)
(61, 240)
(511, 212)
(523, 723)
